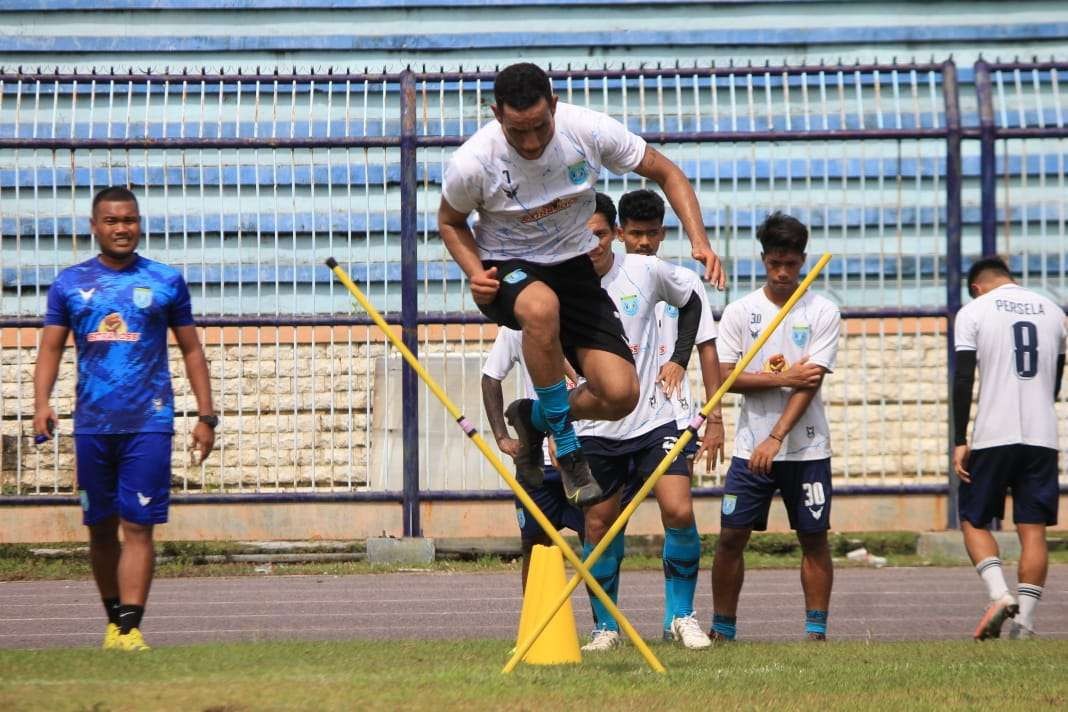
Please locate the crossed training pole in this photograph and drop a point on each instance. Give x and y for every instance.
(690, 433)
(469, 429)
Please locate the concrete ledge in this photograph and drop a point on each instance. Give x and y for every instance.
(410, 551)
(950, 545)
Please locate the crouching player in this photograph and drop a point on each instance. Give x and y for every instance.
(783, 442)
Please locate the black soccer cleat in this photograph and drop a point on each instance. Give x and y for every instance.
(530, 460)
(580, 488)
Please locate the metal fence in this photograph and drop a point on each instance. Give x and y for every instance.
(248, 182)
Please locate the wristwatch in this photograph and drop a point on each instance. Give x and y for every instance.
(212, 421)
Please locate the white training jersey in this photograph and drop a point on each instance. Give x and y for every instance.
(537, 210)
(1016, 335)
(810, 329)
(667, 319)
(636, 283)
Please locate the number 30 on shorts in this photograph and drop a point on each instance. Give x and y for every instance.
(814, 495)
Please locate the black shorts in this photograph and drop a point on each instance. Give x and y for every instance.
(1028, 471)
(588, 318)
(624, 464)
(805, 487)
(554, 505)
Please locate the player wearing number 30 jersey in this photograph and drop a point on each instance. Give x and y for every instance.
(1016, 338)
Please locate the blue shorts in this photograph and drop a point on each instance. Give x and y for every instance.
(619, 464)
(551, 501)
(805, 487)
(128, 475)
(1028, 471)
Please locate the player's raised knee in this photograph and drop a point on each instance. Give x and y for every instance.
(538, 308)
(620, 396)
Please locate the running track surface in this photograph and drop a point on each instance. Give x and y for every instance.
(877, 604)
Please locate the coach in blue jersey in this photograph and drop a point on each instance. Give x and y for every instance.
(119, 306)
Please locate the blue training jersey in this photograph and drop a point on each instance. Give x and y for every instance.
(120, 320)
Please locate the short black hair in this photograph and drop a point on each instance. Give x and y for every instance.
(114, 194)
(782, 233)
(641, 205)
(521, 86)
(987, 264)
(606, 207)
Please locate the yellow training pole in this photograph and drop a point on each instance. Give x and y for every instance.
(495, 461)
(642, 493)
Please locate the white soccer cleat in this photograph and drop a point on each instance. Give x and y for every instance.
(602, 639)
(995, 616)
(688, 631)
(1020, 632)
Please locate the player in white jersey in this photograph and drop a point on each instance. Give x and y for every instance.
(530, 175)
(641, 228)
(624, 452)
(782, 440)
(1017, 339)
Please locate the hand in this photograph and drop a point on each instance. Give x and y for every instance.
(44, 422)
(552, 452)
(803, 375)
(714, 273)
(484, 286)
(712, 443)
(509, 446)
(670, 378)
(202, 442)
(960, 459)
(762, 458)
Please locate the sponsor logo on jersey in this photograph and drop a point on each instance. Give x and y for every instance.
(671, 311)
(142, 297)
(730, 501)
(546, 210)
(515, 276)
(630, 303)
(113, 328)
(577, 173)
(87, 294)
(800, 334)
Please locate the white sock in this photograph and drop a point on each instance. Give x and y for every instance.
(990, 571)
(1029, 595)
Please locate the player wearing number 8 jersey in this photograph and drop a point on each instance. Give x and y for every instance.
(1016, 338)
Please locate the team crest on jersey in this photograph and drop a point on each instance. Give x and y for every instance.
(671, 311)
(83, 498)
(515, 276)
(800, 334)
(142, 297)
(521, 516)
(630, 304)
(578, 172)
(113, 328)
(730, 501)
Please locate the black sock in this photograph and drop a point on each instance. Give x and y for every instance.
(130, 617)
(111, 605)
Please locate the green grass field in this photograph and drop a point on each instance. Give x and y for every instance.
(465, 675)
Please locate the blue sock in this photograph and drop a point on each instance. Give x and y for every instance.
(816, 622)
(606, 571)
(726, 626)
(551, 414)
(682, 556)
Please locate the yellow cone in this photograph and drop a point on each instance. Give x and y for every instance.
(559, 642)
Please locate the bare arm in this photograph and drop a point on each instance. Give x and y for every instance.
(712, 442)
(45, 371)
(196, 369)
(460, 242)
(764, 454)
(493, 402)
(801, 375)
(680, 194)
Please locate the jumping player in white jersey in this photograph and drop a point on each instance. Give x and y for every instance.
(1017, 339)
(624, 452)
(641, 228)
(782, 441)
(530, 176)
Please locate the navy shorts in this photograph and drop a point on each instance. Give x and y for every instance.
(128, 475)
(588, 317)
(554, 505)
(1028, 471)
(622, 465)
(805, 487)
(689, 451)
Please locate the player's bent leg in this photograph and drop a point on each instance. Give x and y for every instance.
(817, 579)
(728, 574)
(537, 310)
(611, 388)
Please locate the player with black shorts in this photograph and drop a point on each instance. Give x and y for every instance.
(1016, 338)
(782, 443)
(530, 176)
